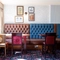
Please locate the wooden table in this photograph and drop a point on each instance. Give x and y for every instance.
(43, 35)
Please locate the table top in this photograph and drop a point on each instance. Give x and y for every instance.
(9, 36)
(44, 35)
(22, 34)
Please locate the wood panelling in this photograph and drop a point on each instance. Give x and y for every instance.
(35, 44)
(55, 28)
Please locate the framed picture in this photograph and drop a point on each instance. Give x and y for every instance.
(31, 9)
(18, 19)
(20, 10)
(31, 17)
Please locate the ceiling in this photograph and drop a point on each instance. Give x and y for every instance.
(30, 2)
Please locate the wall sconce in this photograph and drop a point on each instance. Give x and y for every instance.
(26, 13)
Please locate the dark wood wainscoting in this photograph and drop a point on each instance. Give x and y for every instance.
(34, 44)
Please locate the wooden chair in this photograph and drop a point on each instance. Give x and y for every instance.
(3, 43)
(50, 40)
(24, 44)
(17, 42)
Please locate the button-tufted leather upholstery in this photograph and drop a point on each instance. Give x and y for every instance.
(16, 28)
(33, 29)
(36, 29)
(58, 30)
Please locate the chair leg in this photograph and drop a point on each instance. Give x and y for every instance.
(45, 51)
(42, 49)
(12, 51)
(5, 51)
(54, 51)
(25, 48)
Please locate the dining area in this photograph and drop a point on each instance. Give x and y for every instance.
(30, 40)
(21, 42)
(30, 54)
(29, 30)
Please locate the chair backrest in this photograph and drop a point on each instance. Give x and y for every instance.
(50, 38)
(2, 38)
(16, 38)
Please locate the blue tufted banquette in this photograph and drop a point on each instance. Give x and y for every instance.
(58, 30)
(37, 29)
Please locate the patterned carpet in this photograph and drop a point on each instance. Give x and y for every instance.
(32, 55)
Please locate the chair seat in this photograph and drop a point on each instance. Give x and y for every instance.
(2, 43)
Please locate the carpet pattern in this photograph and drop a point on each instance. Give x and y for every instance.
(32, 55)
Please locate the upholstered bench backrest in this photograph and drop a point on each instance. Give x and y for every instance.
(16, 28)
(58, 30)
(33, 29)
(37, 29)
